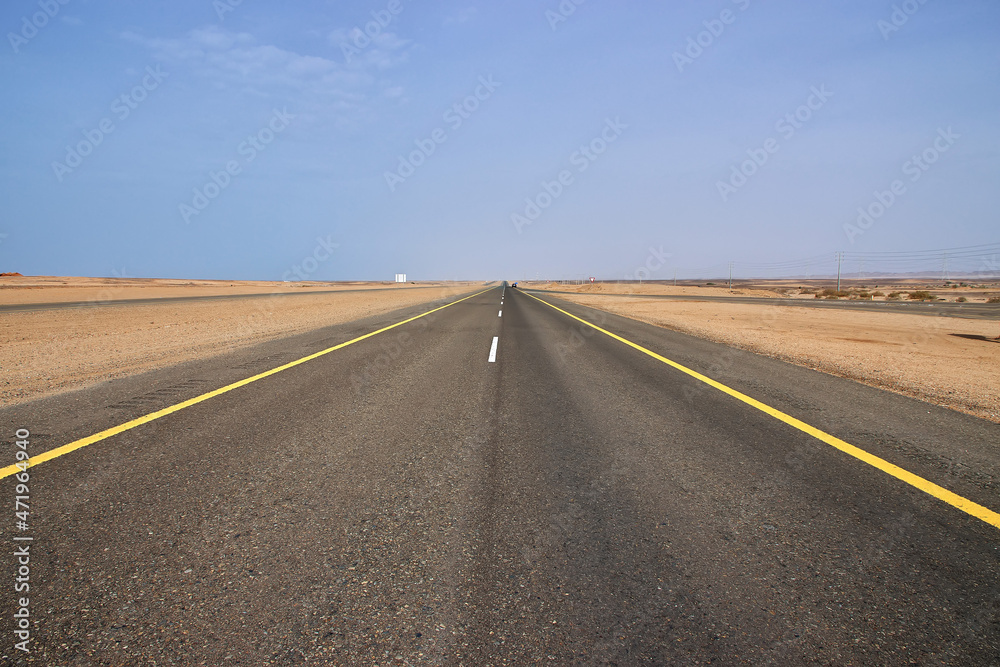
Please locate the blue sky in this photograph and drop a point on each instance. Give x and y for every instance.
(587, 138)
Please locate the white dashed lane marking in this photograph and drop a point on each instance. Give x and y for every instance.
(493, 349)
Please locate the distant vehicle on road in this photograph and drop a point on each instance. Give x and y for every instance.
(513, 284)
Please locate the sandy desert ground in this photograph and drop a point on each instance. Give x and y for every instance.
(867, 290)
(947, 361)
(55, 289)
(944, 360)
(48, 351)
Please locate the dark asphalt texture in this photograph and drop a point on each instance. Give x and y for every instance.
(403, 501)
(972, 311)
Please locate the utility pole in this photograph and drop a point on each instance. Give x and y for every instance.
(675, 277)
(730, 276)
(840, 256)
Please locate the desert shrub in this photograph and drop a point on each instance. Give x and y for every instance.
(993, 299)
(894, 297)
(878, 293)
(961, 299)
(921, 295)
(709, 284)
(806, 290)
(863, 294)
(833, 294)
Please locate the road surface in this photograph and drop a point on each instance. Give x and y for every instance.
(503, 484)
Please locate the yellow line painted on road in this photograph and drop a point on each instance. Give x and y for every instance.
(939, 492)
(145, 419)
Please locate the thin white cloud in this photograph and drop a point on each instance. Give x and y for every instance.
(386, 49)
(237, 60)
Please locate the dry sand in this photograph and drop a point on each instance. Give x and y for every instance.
(783, 289)
(947, 361)
(53, 289)
(50, 351)
(943, 360)
(653, 289)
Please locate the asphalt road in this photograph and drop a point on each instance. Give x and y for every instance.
(972, 311)
(404, 500)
